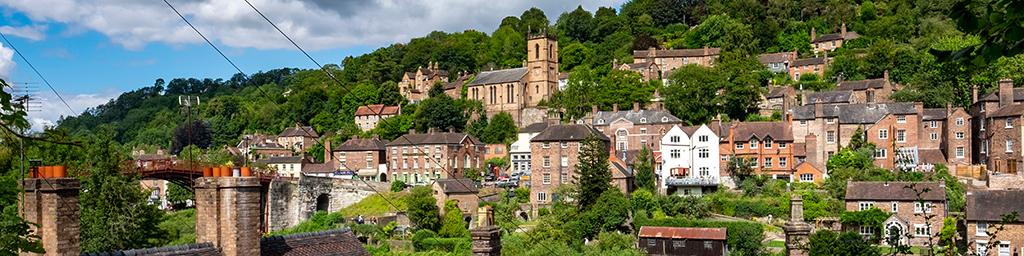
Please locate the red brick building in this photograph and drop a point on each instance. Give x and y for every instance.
(998, 134)
(808, 66)
(555, 153)
(909, 211)
(418, 158)
(671, 59)
(767, 145)
(985, 211)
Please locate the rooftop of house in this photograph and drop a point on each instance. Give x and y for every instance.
(457, 186)
(850, 35)
(568, 132)
(643, 116)
(320, 168)
(377, 110)
(619, 168)
(780, 91)
(1018, 95)
(427, 72)
(299, 131)
(638, 66)
(992, 205)
(331, 242)
(461, 80)
(259, 141)
(934, 114)
(829, 97)
(534, 128)
(931, 156)
(439, 138)
(682, 233)
(859, 85)
(361, 144)
(864, 113)
(1008, 110)
(778, 57)
(499, 76)
(894, 191)
(808, 62)
(669, 53)
(745, 131)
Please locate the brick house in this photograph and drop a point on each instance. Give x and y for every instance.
(631, 130)
(999, 136)
(516, 89)
(647, 70)
(415, 85)
(909, 211)
(454, 88)
(665, 241)
(257, 146)
(622, 175)
(777, 100)
(830, 42)
(868, 90)
(808, 66)
(419, 158)
(298, 138)
(768, 145)
(555, 155)
(671, 59)
(463, 191)
(368, 116)
(366, 157)
(985, 211)
(828, 97)
(777, 62)
(947, 130)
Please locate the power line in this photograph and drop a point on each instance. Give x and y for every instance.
(37, 72)
(204, 37)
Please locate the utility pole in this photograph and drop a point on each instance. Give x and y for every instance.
(186, 102)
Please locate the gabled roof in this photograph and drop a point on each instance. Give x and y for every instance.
(332, 242)
(1018, 95)
(361, 144)
(991, 205)
(859, 85)
(499, 76)
(865, 113)
(894, 191)
(461, 80)
(931, 156)
(258, 140)
(677, 53)
(683, 233)
(934, 114)
(779, 57)
(283, 160)
(745, 131)
(1008, 110)
(808, 62)
(829, 97)
(376, 110)
(604, 118)
(568, 132)
(299, 131)
(534, 128)
(443, 138)
(619, 168)
(780, 91)
(175, 250)
(459, 186)
(319, 168)
(850, 35)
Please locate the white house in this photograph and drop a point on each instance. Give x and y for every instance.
(287, 166)
(689, 160)
(519, 152)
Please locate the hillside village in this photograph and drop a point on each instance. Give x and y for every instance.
(674, 148)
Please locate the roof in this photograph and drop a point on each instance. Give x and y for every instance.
(332, 242)
(446, 138)
(931, 156)
(826, 38)
(779, 57)
(648, 116)
(619, 168)
(1009, 110)
(677, 53)
(319, 168)
(461, 80)
(934, 114)
(534, 128)
(1018, 95)
(360, 144)
(462, 186)
(828, 97)
(187, 249)
(744, 131)
(282, 160)
(895, 191)
(299, 131)
(499, 76)
(781, 91)
(799, 149)
(149, 157)
(376, 110)
(568, 132)
(683, 233)
(858, 85)
(808, 62)
(991, 205)
(864, 113)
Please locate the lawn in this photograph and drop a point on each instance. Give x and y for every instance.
(377, 205)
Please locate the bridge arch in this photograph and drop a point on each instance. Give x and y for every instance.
(323, 202)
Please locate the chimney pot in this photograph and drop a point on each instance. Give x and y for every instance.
(1005, 92)
(615, 107)
(636, 106)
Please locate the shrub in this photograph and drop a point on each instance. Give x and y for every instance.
(420, 235)
(458, 246)
(397, 186)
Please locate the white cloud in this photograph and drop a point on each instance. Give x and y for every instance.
(6, 61)
(314, 24)
(51, 109)
(34, 32)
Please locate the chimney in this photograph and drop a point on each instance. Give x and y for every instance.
(51, 202)
(1005, 92)
(615, 107)
(412, 131)
(486, 236)
(636, 106)
(814, 34)
(885, 76)
(228, 214)
(593, 110)
(974, 94)
(327, 149)
(817, 108)
(811, 148)
(842, 31)
(949, 109)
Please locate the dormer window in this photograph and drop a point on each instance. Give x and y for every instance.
(600, 121)
(664, 119)
(643, 120)
(753, 143)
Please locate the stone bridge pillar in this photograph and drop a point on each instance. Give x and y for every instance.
(228, 214)
(52, 203)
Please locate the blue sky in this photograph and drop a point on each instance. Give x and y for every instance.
(92, 50)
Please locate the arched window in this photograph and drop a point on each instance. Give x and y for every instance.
(551, 52)
(536, 51)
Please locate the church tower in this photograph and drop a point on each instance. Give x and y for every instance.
(542, 68)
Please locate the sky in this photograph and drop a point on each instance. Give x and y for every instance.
(93, 50)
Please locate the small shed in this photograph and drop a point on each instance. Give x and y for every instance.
(682, 241)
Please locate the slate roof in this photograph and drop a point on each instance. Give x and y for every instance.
(677, 53)
(1009, 110)
(934, 114)
(865, 113)
(258, 141)
(745, 131)
(859, 85)
(427, 72)
(778, 57)
(991, 205)
(931, 156)
(460, 186)
(319, 168)
(461, 80)
(376, 110)
(499, 76)
(202, 249)
(282, 160)
(683, 233)
(299, 131)
(361, 144)
(568, 132)
(829, 97)
(808, 62)
(619, 168)
(336, 242)
(1018, 95)
(850, 35)
(894, 191)
(781, 91)
(534, 128)
(446, 138)
(651, 117)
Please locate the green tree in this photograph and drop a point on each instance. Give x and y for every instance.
(574, 55)
(644, 169)
(439, 112)
(453, 225)
(577, 24)
(397, 186)
(998, 22)
(533, 20)
(827, 242)
(422, 206)
(593, 177)
(177, 194)
(15, 233)
(501, 130)
(739, 168)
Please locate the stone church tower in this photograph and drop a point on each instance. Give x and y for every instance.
(542, 65)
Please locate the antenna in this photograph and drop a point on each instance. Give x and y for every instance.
(27, 95)
(188, 100)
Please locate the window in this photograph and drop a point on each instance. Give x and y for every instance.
(1009, 145)
(959, 135)
(702, 138)
(545, 145)
(901, 135)
(1009, 122)
(934, 136)
(643, 130)
(867, 230)
(901, 119)
(673, 139)
(704, 172)
(405, 150)
(542, 197)
(960, 121)
(565, 161)
(922, 230)
(753, 162)
(863, 206)
(782, 145)
(767, 162)
(753, 143)
(981, 124)
(652, 242)
(782, 162)
(600, 121)
(981, 229)
(707, 245)
(676, 243)
(703, 153)
(643, 120)
(547, 161)
(342, 158)
(564, 144)
(981, 247)
(547, 178)
(830, 136)
(806, 177)
(881, 153)
(830, 120)
(960, 152)
(673, 154)
(739, 145)
(1004, 248)
(768, 143)
(803, 122)
(883, 134)
(922, 207)
(933, 124)
(895, 207)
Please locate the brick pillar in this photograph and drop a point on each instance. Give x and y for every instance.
(52, 203)
(228, 214)
(797, 231)
(486, 236)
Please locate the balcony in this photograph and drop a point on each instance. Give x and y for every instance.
(692, 181)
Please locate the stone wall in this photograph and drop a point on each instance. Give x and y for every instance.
(291, 202)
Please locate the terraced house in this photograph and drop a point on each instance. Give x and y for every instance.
(985, 213)
(831, 42)
(910, 203)
(998, 117)
(555, 155)
(671, 59)
(419, 158)
(768, 146)
(631, 130)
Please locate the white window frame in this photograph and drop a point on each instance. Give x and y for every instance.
(934, 136)
(542, 197)
(883, 134)
(901, 119)
(981, 229)
(546, 161)
(981, 247)
(881, 153)
(739, 145)
(865, 205)
(753, 143)
(830, 137)
(901, 135)
(918, 228)
(545, 144)
(960, 152)
(1009, 122)
(922, 207)
(960, 121)
(806, 177)
(960, 135)
(895, 207)
(767, 143)
(564, 144)
(933, 124)
(783, 162)
(1009, 146)
(564, 161)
